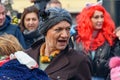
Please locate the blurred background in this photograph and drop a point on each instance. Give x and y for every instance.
(75, 6)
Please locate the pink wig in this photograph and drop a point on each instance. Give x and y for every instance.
(85, 28)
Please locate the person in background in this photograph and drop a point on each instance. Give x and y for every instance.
(54, 3)
(8, 6)
(95, 37)
(114, 62)
(15, 64)
(40, 4)
(53, 53)
(29, 24)
(7, 27)
(116, 47)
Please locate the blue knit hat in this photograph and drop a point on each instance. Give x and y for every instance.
(13, 70)
(52, 16)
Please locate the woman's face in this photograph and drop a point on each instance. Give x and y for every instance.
(31, 21)
(2, 15)
(118, 34)
(97, 20)
(58, 36)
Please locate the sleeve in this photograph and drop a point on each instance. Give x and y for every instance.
(85, 69)
(116, 48)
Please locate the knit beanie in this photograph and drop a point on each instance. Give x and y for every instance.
(53, 16)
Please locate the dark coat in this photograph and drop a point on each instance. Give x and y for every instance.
(100, 62)
(9, 28)
(115, 51)
(31, 37)
(68, 65)
(41, 4)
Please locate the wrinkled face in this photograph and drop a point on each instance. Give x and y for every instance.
(2, 15)
(97, 20)
(31, 21)
(58, 36)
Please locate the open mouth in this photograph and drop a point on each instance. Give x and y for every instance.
(62, 42)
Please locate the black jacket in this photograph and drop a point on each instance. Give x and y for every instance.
(100, 67)
(115, 50)
(101, 61)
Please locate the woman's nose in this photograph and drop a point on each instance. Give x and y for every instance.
(65, 33)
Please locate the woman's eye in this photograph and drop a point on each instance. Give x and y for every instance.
(57, 30)
(96, 17)
(68, 29)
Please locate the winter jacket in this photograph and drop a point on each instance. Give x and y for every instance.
(100, 67)
(9, 28)
(115, 50)
(67, 65)
(101, 60)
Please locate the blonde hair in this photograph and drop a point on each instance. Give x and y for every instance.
(9, 44)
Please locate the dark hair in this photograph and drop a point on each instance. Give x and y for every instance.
(25, 12)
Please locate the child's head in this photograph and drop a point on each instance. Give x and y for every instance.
(9, 44)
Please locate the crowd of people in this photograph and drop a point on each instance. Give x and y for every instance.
(40, 46)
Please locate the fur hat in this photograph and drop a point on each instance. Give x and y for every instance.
(114, 64)
(51, 17)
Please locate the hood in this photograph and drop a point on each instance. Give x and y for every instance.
(6, 23)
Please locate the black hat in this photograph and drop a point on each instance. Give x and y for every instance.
(52, 16)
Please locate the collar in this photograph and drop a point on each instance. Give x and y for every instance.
(47, 59)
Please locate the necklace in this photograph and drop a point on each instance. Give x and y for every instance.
(47, 59)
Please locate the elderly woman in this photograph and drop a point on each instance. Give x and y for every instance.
(53, 53)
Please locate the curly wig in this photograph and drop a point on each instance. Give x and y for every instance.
(85, 28)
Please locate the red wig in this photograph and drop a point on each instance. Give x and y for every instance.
(85, 28)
